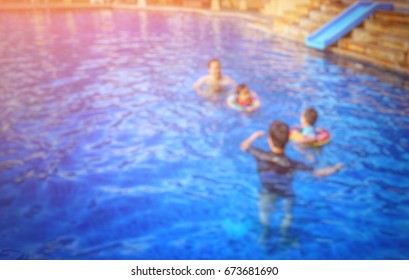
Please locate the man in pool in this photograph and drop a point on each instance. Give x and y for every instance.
(276, 172)
(215, 83)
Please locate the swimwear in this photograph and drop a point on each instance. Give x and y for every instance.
(309, 132)
(248, 102)
(276, 171)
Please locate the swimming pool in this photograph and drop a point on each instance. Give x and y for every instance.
(107, 153)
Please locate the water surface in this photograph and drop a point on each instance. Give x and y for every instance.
(107, 153)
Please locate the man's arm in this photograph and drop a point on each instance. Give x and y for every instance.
(328, 170)
(247, 143)
(198, 86)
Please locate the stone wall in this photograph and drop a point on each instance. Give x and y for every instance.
(382, 39)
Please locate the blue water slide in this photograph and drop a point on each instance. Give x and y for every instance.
(344, 23)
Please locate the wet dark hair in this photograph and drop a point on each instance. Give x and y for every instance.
(213, 60)
(311, 115)
(279, 131)
(240, 87)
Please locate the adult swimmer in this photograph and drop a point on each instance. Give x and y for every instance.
(215, 83)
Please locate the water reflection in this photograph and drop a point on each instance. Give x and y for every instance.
(100, 129)
(71, 23)
(143, 22)
(216, 29)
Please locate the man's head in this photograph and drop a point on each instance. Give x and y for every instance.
(309, 117)
(278, 134)
(215, 67)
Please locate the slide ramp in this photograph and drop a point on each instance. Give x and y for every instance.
(341, 25)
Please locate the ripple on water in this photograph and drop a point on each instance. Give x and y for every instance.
(106, 151)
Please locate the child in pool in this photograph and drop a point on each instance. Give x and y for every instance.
(244, 99)
(308, 119)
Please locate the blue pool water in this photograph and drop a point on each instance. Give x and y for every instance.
(107, 153)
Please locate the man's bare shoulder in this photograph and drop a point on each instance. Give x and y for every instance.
(228, 80)
(205, 79)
